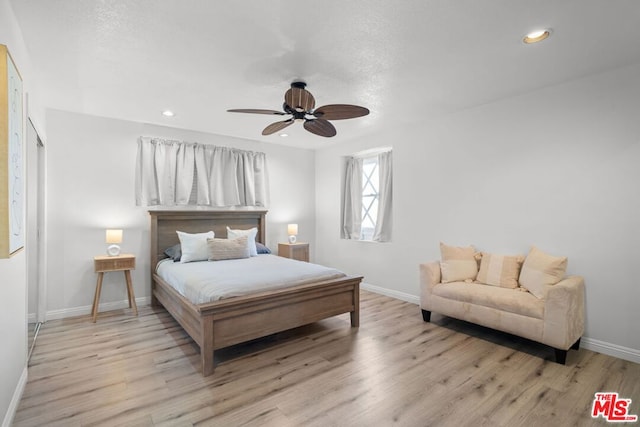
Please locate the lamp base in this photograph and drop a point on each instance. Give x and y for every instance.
(292, 239)
(113, 250)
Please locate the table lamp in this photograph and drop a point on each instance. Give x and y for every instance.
(114, 237)
(292, 231)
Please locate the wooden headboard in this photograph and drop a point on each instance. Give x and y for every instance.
(164, 225)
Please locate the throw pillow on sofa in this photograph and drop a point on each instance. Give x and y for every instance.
(458, 263)
(500, 270)
(541, 269)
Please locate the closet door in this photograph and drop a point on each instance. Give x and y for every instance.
(35, 226)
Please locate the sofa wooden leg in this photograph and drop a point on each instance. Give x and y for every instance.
(576, 345)
(561, 356)
(426, 315)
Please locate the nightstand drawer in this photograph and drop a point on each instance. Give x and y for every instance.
(105, 264)
(115, 263)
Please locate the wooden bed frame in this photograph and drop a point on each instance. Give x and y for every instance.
(234, 320)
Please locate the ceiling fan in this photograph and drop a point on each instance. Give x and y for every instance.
(300, 104)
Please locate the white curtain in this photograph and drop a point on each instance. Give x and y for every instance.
(165, 172)
(382, 232)
(352, 203)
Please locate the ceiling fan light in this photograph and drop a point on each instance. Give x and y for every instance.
(536, 36)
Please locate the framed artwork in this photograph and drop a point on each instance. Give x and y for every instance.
(11, 157)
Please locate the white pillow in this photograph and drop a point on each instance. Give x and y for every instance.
(251, 235)
(194, 246)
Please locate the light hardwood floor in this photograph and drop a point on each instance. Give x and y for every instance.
(393, 370)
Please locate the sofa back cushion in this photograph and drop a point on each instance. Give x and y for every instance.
(540, 270)
(500, 270)
(458, 263)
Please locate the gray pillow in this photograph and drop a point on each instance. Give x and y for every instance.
(174, 252)
(262, 249)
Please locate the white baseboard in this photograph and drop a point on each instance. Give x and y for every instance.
(86, 309)
(391, 293)
(626, 353)
(15, 400)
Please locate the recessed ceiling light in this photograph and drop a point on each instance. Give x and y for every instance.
(536, 36)
(168, 113)
(284, 135)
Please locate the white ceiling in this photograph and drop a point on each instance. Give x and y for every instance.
(407, 61)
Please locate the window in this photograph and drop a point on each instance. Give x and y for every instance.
(370, 194)
(366, 208)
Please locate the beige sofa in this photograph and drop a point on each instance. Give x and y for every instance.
(556, 320)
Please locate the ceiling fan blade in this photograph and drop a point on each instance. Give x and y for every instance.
(340, 112)
(256, 111)
(299, 99)
(320, 127)
(275, 127)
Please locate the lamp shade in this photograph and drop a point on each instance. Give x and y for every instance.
(114, 236)
(292, 229)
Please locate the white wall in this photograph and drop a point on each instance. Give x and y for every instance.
(90, 182)
(13, 274)
(557, 168)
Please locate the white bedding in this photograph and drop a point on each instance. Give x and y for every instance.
(206, 281)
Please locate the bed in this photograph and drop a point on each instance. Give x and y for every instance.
(230, 321)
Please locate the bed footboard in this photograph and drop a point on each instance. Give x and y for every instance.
(234, 320)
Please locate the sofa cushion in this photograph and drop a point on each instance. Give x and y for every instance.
(458, 263)
(541, 270)
(500, 270)
(511, 300)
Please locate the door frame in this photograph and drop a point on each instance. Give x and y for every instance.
(36, 158)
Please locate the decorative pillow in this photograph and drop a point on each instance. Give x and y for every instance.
(250, 233)
(458, 263)
(540, 270)
(174, 252)
(221, 249)
(194, 246)
(500, 270)
(262, 249)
